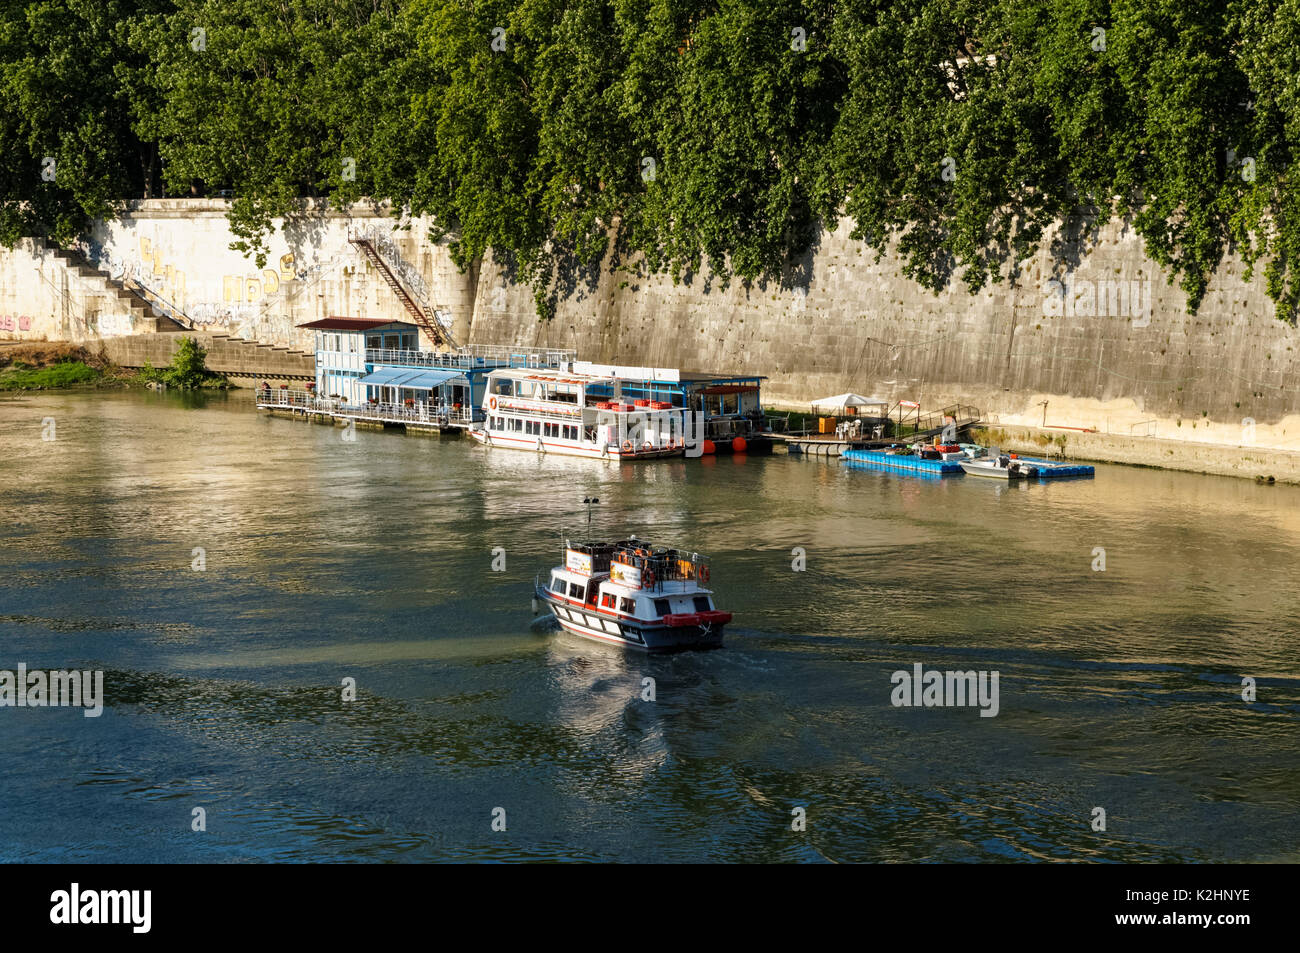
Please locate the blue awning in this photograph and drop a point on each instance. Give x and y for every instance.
(409, 379)
(382, 376)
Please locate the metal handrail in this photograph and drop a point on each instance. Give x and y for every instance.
(419, 412)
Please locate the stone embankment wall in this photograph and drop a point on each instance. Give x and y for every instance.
(226, 355)
(1087, 336)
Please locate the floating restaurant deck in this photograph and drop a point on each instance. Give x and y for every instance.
(910, 463)
(418, 417)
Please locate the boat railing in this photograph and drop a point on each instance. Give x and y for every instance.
(472, 356)
(424, 412)
(672, 566)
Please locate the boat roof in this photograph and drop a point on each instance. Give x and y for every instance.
(353, 324)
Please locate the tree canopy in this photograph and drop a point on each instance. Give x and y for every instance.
(667, 135)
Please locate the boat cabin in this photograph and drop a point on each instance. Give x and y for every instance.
(632, 579)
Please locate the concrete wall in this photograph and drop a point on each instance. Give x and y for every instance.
(226, 355)
(1121, 356)
(1094, 331)
(180, 250)
(42, 299)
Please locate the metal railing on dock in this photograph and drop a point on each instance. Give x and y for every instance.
(418, 413)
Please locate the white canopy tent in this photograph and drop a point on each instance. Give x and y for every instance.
(839, 404)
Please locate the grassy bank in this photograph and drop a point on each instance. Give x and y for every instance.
(54, 366)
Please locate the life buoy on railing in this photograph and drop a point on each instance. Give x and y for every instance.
(492, 403)
(704, 574)
(649, 578)
(647, 446)
(627, 446)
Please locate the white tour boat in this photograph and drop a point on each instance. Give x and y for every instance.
(634, 594)
(548, 411)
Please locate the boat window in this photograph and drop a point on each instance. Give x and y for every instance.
(702, 604)
(516, 423)
(575, 590)
(661, 606)
(607, 600)
(628, 605)
(504, 386)
(557, 585)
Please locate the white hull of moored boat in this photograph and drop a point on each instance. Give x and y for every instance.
(573, 448)
(989, 468)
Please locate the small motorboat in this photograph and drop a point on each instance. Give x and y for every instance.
(634, 594)
(1002, 467)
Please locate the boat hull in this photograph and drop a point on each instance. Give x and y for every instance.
(997, 473)
(539, 445)
(586, 621)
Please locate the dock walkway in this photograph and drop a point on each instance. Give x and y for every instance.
(420, 416)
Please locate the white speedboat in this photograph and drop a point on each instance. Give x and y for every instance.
(634, 594)
(1000, 468)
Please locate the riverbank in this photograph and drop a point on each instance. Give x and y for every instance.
(61, 366)
(1256, 463)
(56, 366)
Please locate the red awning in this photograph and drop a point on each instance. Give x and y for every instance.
(730, 389)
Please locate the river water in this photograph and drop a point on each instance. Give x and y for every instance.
(324, 560)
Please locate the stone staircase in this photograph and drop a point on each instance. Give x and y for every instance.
(143, 314)
(234, 357)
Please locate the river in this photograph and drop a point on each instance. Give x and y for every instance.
(228, 571)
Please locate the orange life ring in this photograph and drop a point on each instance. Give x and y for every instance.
(492, 402)
(704, 574)
(649, 578)
(627, 446)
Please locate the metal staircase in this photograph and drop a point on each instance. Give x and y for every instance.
(425, 318)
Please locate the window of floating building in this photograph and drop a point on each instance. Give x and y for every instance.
(628, 605)
(374, 342)
(565, 393)
(504, 386)
(409, 342)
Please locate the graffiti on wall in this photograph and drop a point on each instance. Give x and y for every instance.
(15, 322)
(113, 325)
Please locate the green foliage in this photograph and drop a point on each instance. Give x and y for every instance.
(955, 133)
(62, 374)
(188, 369)
(62, 70)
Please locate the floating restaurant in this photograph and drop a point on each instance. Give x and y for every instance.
(373, 371)
(610, 411)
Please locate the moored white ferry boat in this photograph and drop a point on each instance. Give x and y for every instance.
(633, 594)
(548, 411)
